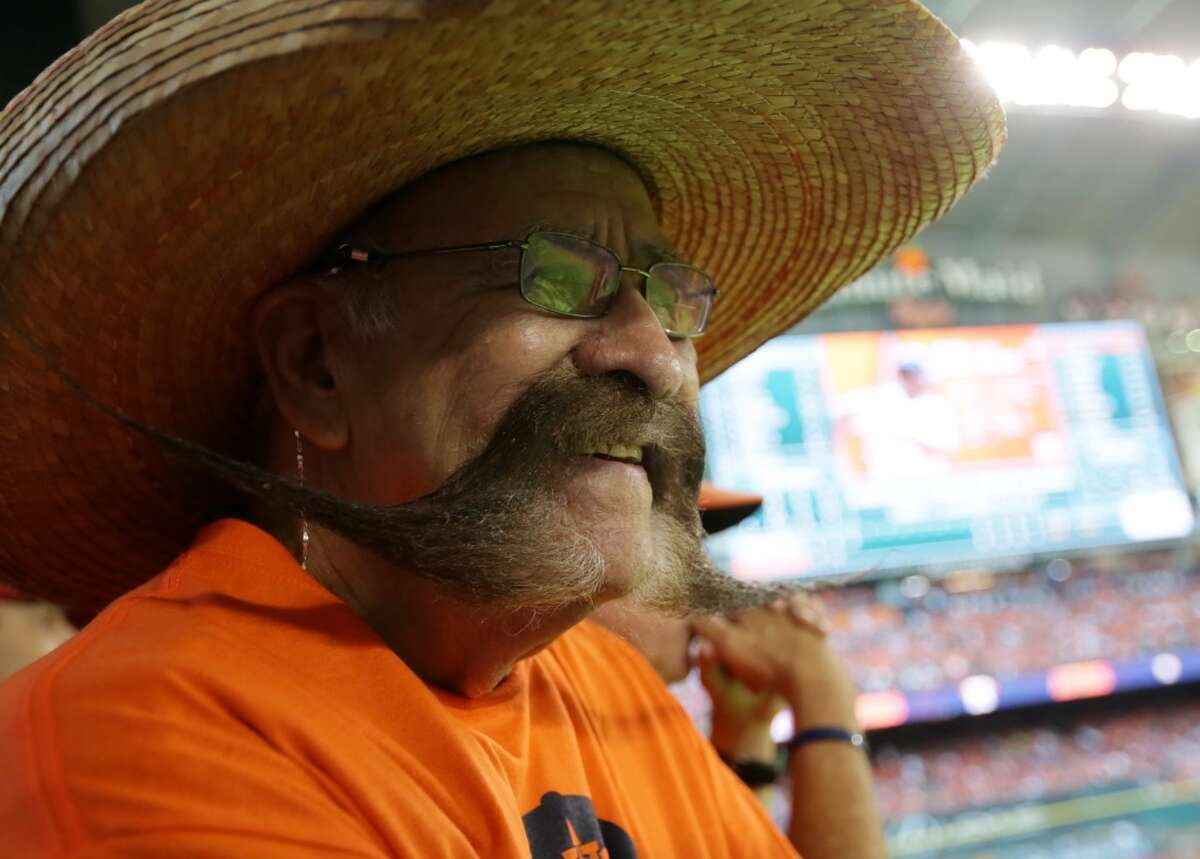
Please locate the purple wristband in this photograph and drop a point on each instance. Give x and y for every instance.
(813, 735)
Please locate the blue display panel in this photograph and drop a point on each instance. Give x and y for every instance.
(880, 451)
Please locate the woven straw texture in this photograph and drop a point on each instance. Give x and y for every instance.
(166, 172)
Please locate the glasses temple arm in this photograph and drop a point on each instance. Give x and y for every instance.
(351, 253)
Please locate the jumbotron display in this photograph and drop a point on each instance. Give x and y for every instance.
(885, 451)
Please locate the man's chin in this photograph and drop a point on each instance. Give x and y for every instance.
(629, 559)
(619, 582)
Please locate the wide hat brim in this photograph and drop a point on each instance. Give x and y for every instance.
(189, 155)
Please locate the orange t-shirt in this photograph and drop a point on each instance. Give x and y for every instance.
(234, 707)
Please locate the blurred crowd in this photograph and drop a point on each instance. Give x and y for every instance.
(1019, 623)
(1141, 746)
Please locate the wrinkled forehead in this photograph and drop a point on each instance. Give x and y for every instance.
(500, 194)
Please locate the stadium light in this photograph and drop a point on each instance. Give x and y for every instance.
(1054, 76)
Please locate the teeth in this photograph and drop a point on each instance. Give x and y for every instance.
(623, 452)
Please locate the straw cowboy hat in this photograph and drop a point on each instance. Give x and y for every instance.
(192, 153)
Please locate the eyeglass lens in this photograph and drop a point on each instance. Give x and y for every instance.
(567, 274)
(681, 297)
(577, 277)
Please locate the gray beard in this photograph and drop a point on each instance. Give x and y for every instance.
(497, 533)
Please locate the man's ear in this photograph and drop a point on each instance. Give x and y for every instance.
(291, 346)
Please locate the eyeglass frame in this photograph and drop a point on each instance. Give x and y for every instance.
(336, 260)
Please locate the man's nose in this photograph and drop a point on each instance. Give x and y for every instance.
(629, 338)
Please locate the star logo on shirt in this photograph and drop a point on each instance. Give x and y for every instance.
(579, 850)
(566, 827)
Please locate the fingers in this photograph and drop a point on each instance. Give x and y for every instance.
(714, 628)
(734, 648)
(734, 701)
(808, 610)
(713, 677)
(801, 607)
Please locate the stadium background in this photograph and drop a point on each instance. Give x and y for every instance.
(1036, 702)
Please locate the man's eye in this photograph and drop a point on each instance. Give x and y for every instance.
(506, 266)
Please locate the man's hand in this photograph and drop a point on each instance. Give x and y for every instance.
(741, 717)
(781, 652)
(778, 651)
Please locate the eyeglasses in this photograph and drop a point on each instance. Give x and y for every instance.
(573, 276)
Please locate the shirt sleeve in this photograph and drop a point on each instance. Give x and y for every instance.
(198, 782)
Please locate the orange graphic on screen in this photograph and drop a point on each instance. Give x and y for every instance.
(917, 403)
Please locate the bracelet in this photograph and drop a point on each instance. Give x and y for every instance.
(760, 773)
(813, 735)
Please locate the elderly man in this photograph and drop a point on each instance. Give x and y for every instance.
(422, 281)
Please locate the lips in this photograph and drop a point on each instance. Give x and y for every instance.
(628, 453)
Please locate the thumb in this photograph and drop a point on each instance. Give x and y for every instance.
(712, 675)
(734, 650)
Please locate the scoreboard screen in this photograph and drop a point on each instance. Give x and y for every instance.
(886, 451)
